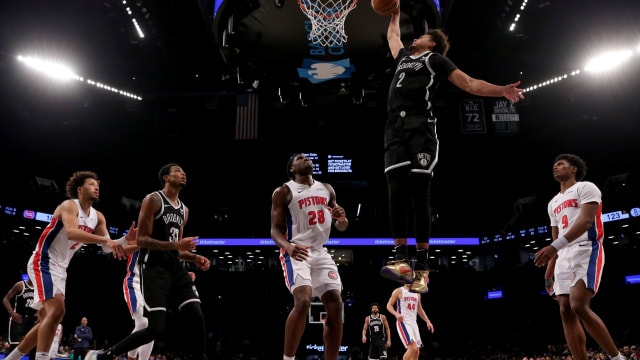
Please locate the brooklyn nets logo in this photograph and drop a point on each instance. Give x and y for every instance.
(424, 159)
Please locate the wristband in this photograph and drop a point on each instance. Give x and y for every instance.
(560, 243)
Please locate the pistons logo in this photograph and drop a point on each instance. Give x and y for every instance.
(424, 159)
(333, 275)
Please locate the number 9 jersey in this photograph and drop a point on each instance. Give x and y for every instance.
(307, 217)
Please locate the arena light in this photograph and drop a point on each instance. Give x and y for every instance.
(140, 33)
(50, 69)
(517, 17)
(608, 61)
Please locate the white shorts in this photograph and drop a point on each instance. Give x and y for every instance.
(48, 278)
(409, 333)
(54, 348)
(582, 261)
(131, 287)
(319, 271)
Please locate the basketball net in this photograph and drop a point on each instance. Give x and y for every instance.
(327, 20)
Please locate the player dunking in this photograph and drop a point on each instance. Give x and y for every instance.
(575, 258)
(408, 305)
(164, 280)
(75, 222)
(379, 333)
(301, 215)
(411, 142)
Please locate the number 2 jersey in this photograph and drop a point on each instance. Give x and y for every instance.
(415, 81)
(166, 227)
(307, 218)
(564, 210)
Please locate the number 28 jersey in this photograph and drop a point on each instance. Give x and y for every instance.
(166, 227)
(307, 217)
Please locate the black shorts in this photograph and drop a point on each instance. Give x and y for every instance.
(18, 331)
(410, 140)
(164, 286)
(378, 349)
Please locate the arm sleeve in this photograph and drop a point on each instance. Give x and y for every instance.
(588, 192)
(552, 218)
(441, 65)
(402, 54)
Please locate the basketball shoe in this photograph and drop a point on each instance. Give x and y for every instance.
(398, 270)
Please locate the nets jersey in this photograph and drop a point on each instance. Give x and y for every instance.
(54, 249)
(24, 300)
(407, 305)
(307, 217)
(564, 210)
(376, 327)
(167, 224)
(415, 81)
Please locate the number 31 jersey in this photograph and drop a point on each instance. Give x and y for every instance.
(307, 217)
(166, 227)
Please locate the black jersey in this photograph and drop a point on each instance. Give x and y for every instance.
(166, 227)
(376, 328)
(415, 81)
(24, 300)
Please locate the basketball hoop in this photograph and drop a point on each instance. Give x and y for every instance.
(327, 20)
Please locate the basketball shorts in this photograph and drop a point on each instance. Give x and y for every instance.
(164, 286)
(48, 278)
(582, 261)
(409, 333)
(17, 331)
(319, 271)
(410, 140)
(378, 349)
(132, 291)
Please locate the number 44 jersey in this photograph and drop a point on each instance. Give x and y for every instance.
(307, 217)
(166, 227)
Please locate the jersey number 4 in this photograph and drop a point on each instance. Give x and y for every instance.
(316, 217)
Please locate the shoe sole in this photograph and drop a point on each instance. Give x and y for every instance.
(392, 275)
(419, 292)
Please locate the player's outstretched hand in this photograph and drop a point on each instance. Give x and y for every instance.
(430, 326)
(337, 212)
(512, 93)
(544, 255)
(132, 234)
(202, 263)
(116, 249)
(298, 252)
(187, 244)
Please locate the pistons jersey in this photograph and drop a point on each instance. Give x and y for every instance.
(307, 217)
(54, 249)
(167, 223)
(415, 81)
(564, 210)
(407, 305)
(376, 327)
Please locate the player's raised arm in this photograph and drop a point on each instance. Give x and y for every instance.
(483, 88)
(393, 34)
(279, 201)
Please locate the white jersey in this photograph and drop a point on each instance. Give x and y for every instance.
(307, 217)
(407, 305)
(54, 249)
(564, 210)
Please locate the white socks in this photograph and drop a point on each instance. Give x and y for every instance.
(15, 355)
(285, 357)
(42, 356)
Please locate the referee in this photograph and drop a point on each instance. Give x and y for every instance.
(411, 142)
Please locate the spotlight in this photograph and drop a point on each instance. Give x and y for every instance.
(607, 61)
(54, 70)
